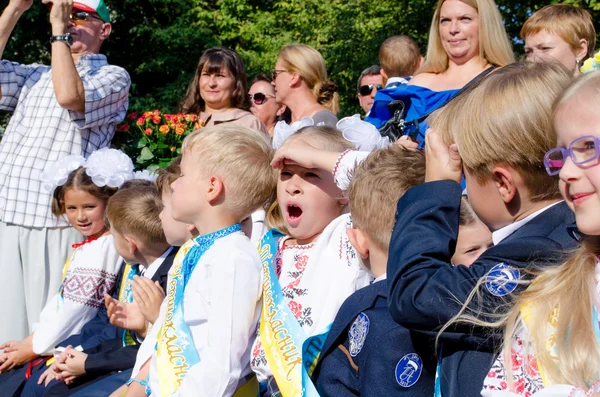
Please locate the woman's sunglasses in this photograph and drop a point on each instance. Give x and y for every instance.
(83, 16)
(365, 90)
(259, 98)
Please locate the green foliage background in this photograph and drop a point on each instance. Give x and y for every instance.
(160, 41)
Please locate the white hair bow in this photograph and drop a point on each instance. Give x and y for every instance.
(284, 130)
(363, 135)
(106, 167)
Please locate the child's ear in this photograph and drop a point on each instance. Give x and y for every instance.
(505, 182)
(215, 189)
(132, 245)
(359, 242)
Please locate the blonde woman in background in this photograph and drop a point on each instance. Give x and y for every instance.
(301, 84)
(465, 39)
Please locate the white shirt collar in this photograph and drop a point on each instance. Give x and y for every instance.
(400, 80)
(507, 230)
(151, 270)
(380, 278)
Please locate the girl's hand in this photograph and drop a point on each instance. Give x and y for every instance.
(48, 376)
(71, 365)
(298, 151)
(149, 296)
(125, 315)
(15, 353)
(442, 162)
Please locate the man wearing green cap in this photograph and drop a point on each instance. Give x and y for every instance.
(69, 107)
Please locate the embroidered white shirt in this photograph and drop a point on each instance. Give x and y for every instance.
(92, 273)
(305, 275)
(41, 132)
(221, 305)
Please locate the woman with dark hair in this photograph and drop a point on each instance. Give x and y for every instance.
(263, 104)
(219, 92)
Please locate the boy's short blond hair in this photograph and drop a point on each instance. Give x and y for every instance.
(377, 185)
(241, 157)
(399, 56)
(134, 211)
(507, 120)
(166, 176)
(568, 22)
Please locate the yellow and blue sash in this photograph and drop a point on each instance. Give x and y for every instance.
(126, 295)
(291, 355)
(175, 350)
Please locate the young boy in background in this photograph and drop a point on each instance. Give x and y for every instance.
(366, 353)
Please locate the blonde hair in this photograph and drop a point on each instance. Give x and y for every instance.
(494, 45)
(570, 23)
(134, 211)
(241, 157)
(399, 56)
(569, 287)
(322, 137)
(467, 214)
(377, 185)
(506, 119)
(310, 65)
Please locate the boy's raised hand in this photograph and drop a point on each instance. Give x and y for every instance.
(442, 162)
(149, 296)
(125, 315)
(299, 152)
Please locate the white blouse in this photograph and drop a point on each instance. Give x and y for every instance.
(91, 273)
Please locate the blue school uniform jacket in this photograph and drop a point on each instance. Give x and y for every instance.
(425, 287)
(368, 354)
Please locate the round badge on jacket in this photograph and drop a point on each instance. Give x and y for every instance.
(502, 279)
(408, 370)
(358, 333)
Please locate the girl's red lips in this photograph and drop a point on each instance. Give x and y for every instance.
(579, 198)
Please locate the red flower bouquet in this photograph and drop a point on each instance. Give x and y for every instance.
(153, 139)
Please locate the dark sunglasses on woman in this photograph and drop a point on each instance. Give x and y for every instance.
(260, 98)
(365, 90)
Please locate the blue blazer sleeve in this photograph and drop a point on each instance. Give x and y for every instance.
(425, 289)
(110, 356)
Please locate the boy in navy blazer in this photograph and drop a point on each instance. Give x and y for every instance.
(366, 353)
(503, 129)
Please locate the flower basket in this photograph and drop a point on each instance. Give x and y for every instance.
(153, 139)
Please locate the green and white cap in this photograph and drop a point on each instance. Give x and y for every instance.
(97, 6)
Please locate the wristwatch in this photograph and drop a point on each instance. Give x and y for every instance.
(65, 38)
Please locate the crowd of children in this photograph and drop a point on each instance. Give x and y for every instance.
(378, 274)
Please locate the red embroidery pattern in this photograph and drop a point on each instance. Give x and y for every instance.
(84, 242)
(526, 375)
(337, 163)
(88, 286)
